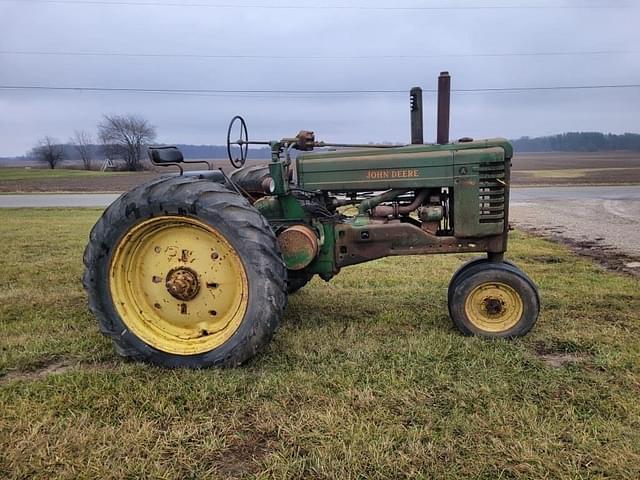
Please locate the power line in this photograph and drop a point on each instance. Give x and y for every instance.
(315, 57)
(230, 92)
(321, 7)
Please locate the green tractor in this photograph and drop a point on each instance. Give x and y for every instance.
(194, 269)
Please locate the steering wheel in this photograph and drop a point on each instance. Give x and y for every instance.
(242, 142)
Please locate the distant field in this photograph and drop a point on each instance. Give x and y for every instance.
(38, 174)
(366, 378)
(569, 160)
(16, 179)
(601, 168)
(613, 168)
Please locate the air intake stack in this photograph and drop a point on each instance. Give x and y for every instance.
(417, 129)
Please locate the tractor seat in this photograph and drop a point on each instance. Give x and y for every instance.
(165, 154)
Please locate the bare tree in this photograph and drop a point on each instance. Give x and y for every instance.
(81, 141)
(125, 136)
(48, 151)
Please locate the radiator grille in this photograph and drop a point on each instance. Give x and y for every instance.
(491, 192)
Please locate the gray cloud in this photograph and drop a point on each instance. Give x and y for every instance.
(27, 115)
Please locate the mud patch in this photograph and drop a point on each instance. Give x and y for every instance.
(605, 255)
(547, 259)
(243, 456)
(559, 360)
(57, 367)
(54, 368)
(559, 353)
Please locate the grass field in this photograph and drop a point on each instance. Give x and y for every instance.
(365, 378)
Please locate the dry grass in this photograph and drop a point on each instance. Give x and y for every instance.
(365, 379)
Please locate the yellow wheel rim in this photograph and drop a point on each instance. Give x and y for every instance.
(494, 307)
(178, 285)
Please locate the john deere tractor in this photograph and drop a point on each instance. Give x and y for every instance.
(194, 269)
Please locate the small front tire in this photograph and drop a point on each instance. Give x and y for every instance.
(494, 300)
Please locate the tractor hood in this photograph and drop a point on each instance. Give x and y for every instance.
(411, 166)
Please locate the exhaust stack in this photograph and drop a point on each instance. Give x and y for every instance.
(444, 107)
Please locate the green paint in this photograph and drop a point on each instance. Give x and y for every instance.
(415, 166)
(468, 169)
(479, 213)
(296, 260)
(270, 207)
(325, 263)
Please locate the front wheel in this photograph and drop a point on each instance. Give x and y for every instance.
(182, 272)
(494, 300)
(466, 268)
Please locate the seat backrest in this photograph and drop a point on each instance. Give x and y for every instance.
(165, 154)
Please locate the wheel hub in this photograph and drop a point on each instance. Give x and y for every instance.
(178, 285)
(182, 283)
(493, 306)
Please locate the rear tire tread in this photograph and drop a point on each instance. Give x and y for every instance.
(198, 198)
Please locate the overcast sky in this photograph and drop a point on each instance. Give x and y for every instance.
(85, 27)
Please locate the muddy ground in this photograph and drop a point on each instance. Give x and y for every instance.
(559, 168)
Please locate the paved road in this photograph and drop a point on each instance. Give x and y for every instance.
(609, 216)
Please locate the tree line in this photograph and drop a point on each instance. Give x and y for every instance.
(578, 142)
(120, 138)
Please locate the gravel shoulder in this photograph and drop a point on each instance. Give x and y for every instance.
(600, 222)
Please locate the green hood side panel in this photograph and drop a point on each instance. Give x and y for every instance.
(412, 166)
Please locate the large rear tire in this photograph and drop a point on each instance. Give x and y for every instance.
(182, 272)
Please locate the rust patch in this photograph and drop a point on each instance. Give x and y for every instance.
(299, 246)
(182, 283)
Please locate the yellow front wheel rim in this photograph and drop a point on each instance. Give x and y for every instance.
(494, 307)
(178, 285)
